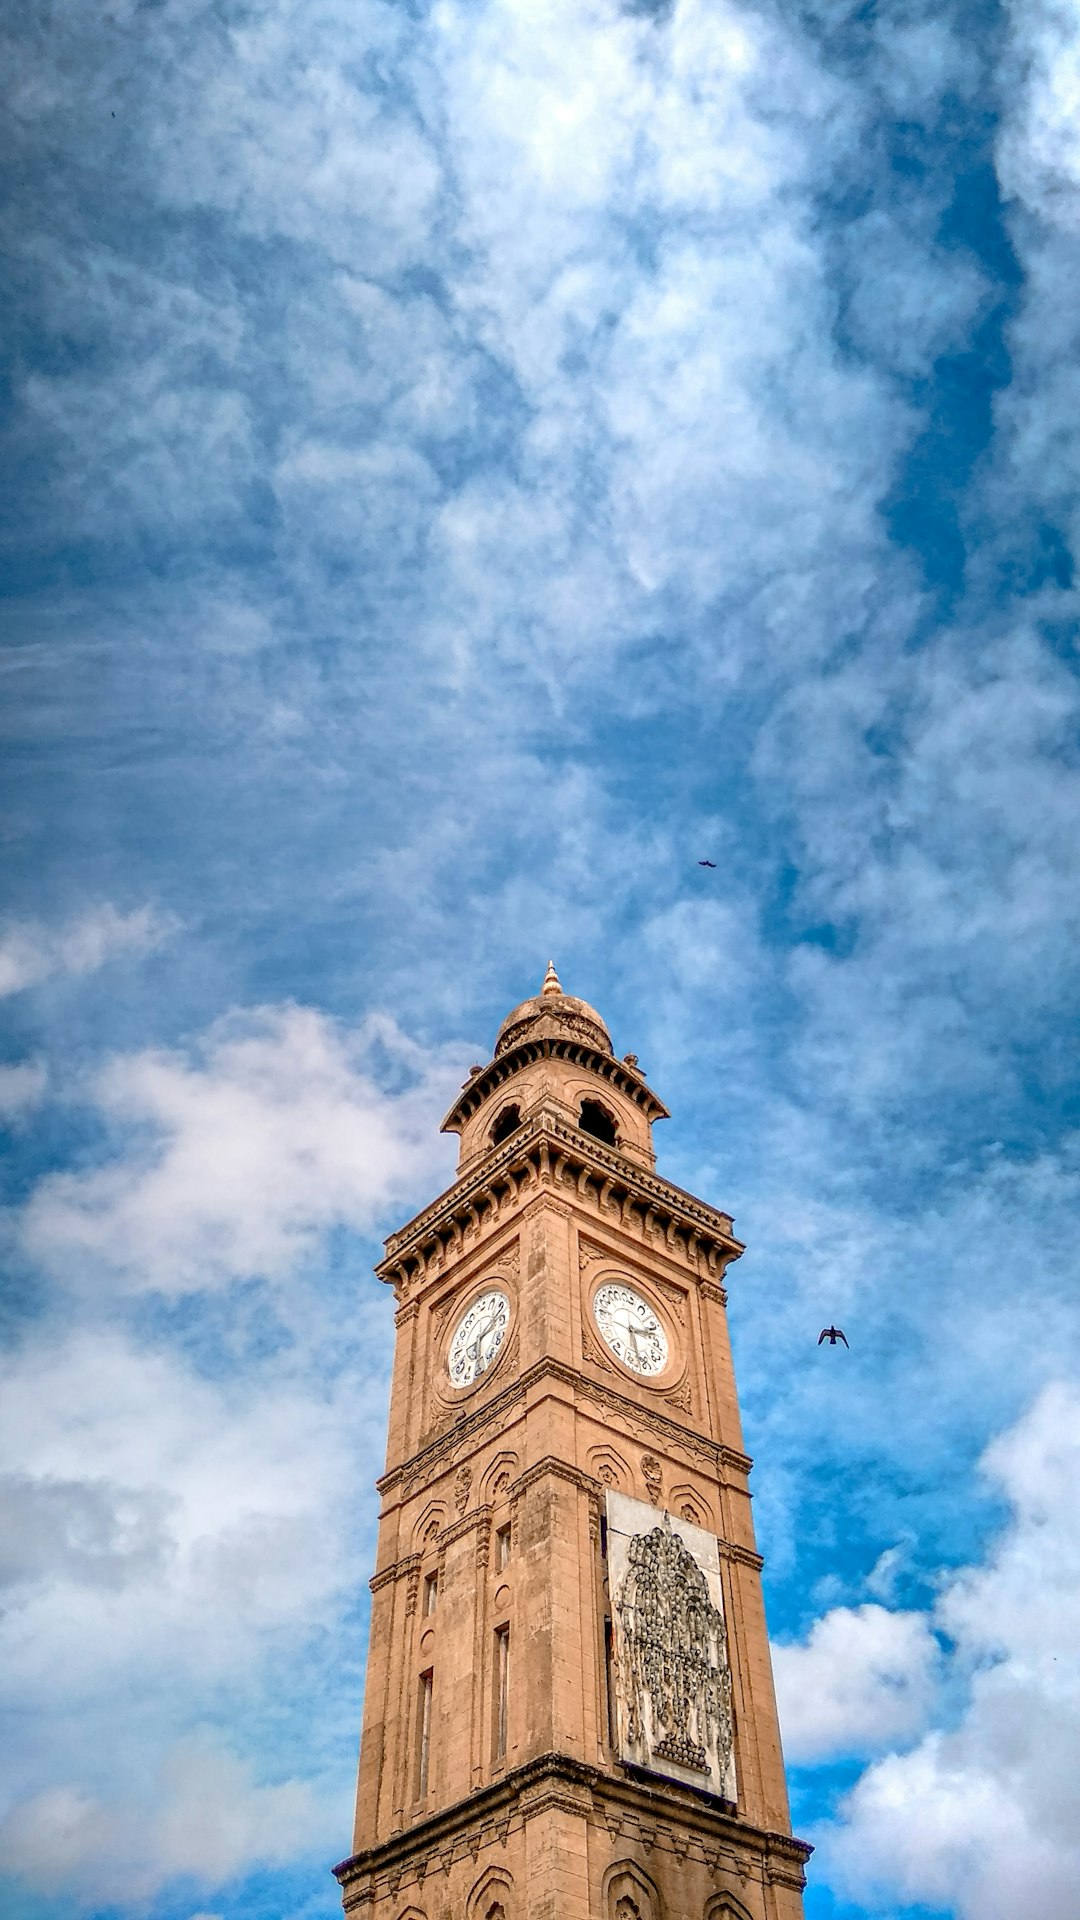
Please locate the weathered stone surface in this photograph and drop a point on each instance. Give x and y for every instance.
(510, 1767)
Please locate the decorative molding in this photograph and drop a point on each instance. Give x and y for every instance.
(397, 1571)
(462, 1488)
(552, 1467)
(681, 1396)
(437, 1454)
(609, 1467)
(743, 1556)
(545, 1152)
(547, 1203)
(625, 1803)
(479, 1517)
(516, 1050)
(509, 1261)
(675, 1296)
(690, 1505)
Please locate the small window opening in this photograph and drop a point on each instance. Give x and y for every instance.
(603, 1537)
(431, 1592)
(502, 1547)
(596, 1120)
(502, 1689)
(423, 1751)
(506, 1123)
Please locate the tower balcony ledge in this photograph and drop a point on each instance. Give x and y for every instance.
(591, 1792)
(547, 1153)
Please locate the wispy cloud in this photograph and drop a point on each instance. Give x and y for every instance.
(32, 952)
(239, 1159)
(463, 465)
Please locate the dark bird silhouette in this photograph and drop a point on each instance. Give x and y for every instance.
(706, 863)
(832, 1335)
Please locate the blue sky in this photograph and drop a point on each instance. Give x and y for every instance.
(461, 466)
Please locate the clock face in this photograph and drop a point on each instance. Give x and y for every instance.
(630, 1328)
(477, 1338)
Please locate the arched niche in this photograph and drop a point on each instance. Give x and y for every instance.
(492, 1896)
(724, 1906)
(610, 1468)
(629, 1894)
(497, 1476)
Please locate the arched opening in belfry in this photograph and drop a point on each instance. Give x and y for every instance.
(596, 1120)
(505, 1124)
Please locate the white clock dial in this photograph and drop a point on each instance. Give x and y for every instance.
(477, 1338)
(630, 1328)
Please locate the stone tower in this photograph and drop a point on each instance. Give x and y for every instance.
(569, 1711)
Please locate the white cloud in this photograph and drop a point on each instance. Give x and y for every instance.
(983, 1817)
(209, 1820)
(235, 1157)
(32, 952)
(1037, 456)
(863, 1679)
(175, 1550)
(22, 1087)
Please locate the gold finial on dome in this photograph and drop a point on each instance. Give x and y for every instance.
(551, 980)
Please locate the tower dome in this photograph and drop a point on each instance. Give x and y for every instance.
(550, 1013)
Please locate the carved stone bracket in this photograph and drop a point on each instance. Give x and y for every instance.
(545, 1152)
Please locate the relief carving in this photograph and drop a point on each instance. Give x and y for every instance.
(673, 1681)
(653, 1475)
(675, 1297)
(681, 1396)
(590, 1350)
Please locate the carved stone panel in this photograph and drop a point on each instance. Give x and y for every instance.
(672, 1678)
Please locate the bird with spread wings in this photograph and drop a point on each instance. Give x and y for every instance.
(832, 1335)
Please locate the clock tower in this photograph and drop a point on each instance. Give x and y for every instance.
(569, 1709)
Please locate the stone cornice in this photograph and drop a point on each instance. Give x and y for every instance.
(625, 1802)
(498, 1071)
(549, 1155)
(409, 1563)
(422, 1466)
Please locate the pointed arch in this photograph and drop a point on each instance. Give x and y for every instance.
(691, 1505)
(724, 1906)
(610, 1467)
(629, 1894)
(492, 1896)
(501, 1469)
(429, 1526)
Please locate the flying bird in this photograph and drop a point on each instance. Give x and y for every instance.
(706, 863)
(832, 1335)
